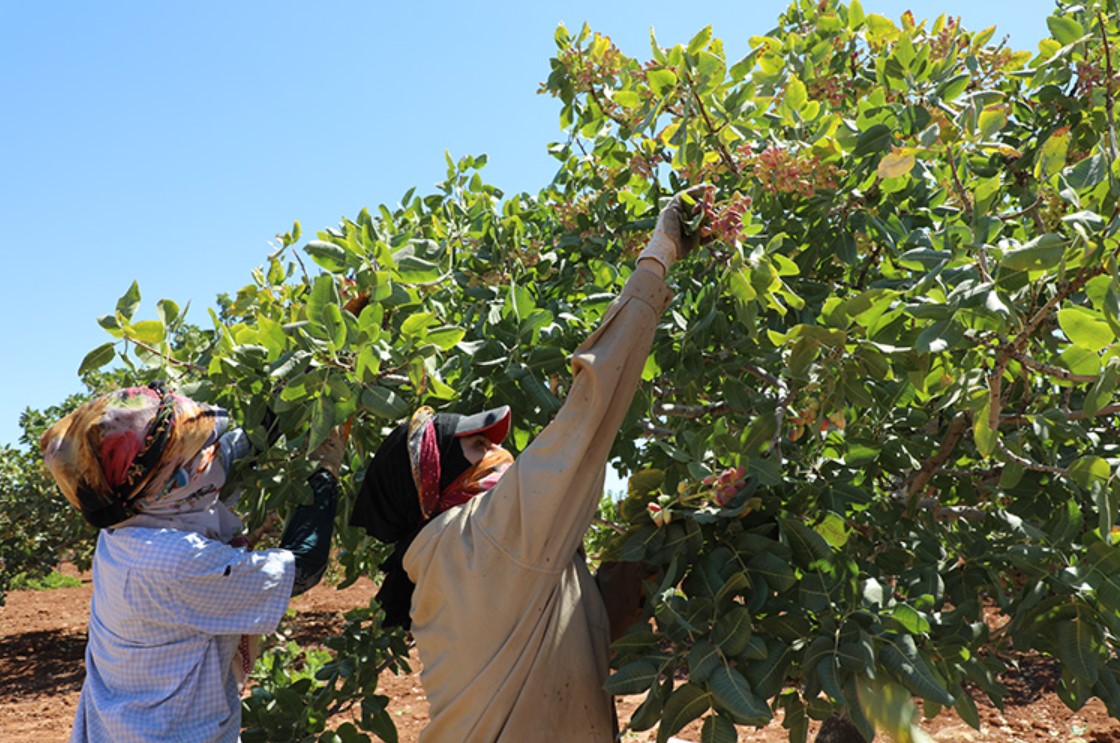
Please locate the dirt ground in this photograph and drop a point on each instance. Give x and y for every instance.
(43, 635)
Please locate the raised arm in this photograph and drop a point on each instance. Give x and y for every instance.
(542, 506)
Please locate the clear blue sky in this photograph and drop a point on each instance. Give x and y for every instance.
(168, 142)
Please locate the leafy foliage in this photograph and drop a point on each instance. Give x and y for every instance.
(901, 338)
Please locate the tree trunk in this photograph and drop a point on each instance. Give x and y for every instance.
(839, 730)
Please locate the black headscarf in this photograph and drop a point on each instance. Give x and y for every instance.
(388, 508)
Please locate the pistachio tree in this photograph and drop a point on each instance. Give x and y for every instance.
(878, 411)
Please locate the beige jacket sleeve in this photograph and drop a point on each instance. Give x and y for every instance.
(539, 511)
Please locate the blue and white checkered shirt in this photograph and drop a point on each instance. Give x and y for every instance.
(167, 613)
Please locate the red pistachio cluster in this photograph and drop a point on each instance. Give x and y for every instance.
(1091, 76)
(780, 170)
(724, 221)
(831, 90)
(596, 66)
(659, 512)
(726, 484)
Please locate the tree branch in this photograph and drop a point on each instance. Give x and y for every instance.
(1027, 463)
(770, 379)
(953, 434)
(693, 411)
(1108, 100)
(1074, 415)
(1053, 371)
(712, 131)
(966, 203)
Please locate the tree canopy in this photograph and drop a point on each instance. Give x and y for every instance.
(880, 403)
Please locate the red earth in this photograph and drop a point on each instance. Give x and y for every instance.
(43, 635)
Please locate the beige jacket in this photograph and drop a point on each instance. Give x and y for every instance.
(508, 621)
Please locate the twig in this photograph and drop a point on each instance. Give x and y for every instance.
(770, 379)
(1027, 463)
(953, 434)
(1023, 212)
(872, 259)
(169, 359)
(652, 429)
(961, 193)
(1054, 371)
(693, 411)
(712, 131)
(609, 114)
(968, 513)
(1108, 101)
(1073, 415)
(608, 524)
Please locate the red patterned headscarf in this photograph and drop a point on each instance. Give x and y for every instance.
(427, 471)
(420, 471)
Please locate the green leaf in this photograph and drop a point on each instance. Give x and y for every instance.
(1089, 470)
(661, 80)
(632, 678)
(891, 708)
(900, 656)
(774, 570)
(718, 729)
(1100, 393)
(446, 336)
(992, 120)
(335, 326)
(703, 658)
(327, 255)
(939, 337)
(1065, 29)
(1052, 157)
(834, 529)
(1085, 328)
(322, 421)
(733, 695)
(1042, 253)
(384, 403)
(167, 311)
(1087, 173)
(856, 15)
(912, 620)
(1076, 650)
(415, 323)
(796, 96)
(808, 546)
(954, 86)
(983, 434)
(129, 302)
(875, 139)
(413, 270)
(732, 631)
(684, 705)
(323, 293)
(150, 332)
(97, 358)
(700, 40)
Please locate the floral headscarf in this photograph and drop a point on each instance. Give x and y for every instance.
(146, 456)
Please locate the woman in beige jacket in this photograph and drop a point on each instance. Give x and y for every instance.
(510, 626)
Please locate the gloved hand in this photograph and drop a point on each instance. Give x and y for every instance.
(671, 238)
(330, 452)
